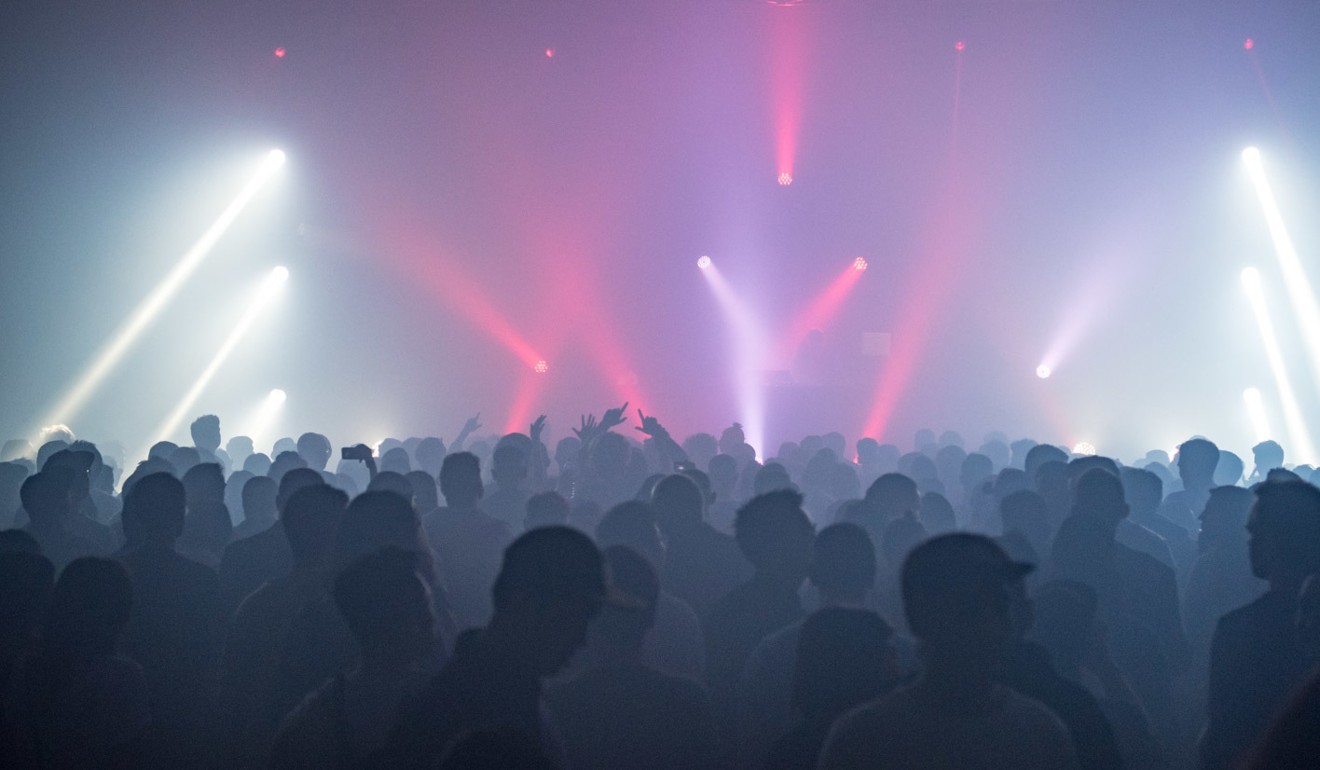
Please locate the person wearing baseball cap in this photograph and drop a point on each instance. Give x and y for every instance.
(958, 597)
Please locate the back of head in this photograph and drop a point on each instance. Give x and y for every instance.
(385, 601)
(549, 565)
(508, 466)
(391, 481)
(294, 480)
(430, 455)
(285, 462)
(546, 509)
(205, 432)
(771, 477)
(47, 497)
(310, 521)
(425, 495)
(677, 503)
(460, 480)
(1197, 459)
(775, 535)
(937, 514)
(1285, 522)
(843, 660)
(1099, 495)
(259, 494)
(1142, 489)
(843, 563)
(1268, 455)
(632, 524)
(623, 625)
(1041, 454)
(204, 483)
(377, 519)
(1080, 466)
(1225, 516)
(315, 450)
(956, 596)
(1229, 469)
(154, 508)
(89, 607)
(894, 494)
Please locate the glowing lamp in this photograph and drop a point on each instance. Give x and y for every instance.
(549, 53)
(277, 396)
(1248, 44)
(1084, 448)
(1043, 372)
(279, 53)
(703, 262)
(960, 45)
(541, 367)
(785, 179)
(859, 264)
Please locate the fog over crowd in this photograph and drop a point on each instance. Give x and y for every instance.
(622, 599)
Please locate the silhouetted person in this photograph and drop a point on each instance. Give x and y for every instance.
(550, 586)
(1144, 491)
(26, 581)
(1255, 657)
(259, 511)
(74, 702)
(546, 509)
(175, 632)
(843, 570)
(283, 463)
(84, 516)
(262, 657)
(842, 660)
(508, 502)
(466, 540)
(315, 450)
(249, 563)
(675, 644)
(207, 527)
(956, 595)
(239, 449)
(1267, 455)
(48, 501)
(1221, 579)
(776, 537)
(387, 606)
(619, 712)
(1197, 459)
(701, 565)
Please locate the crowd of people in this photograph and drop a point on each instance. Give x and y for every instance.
(623, 600)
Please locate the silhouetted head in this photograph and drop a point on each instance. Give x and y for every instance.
(1142, 489)
(677, 503)
(1285, 532)
(771, 477)
(894, 495)
(48, 498)
(89, 608)
(315, 450)
(937, 514)
(1267, 455)
(899, 537)
(18, 541)
(550, 586)
(259, 499)
(843, 565)
(430, 455)
(425, 495)
(732, 439)
(632, 524)
(386, 603)
(566, 452)
(1197, 459)
(623, 625)
(546, 509)
(508, 465)
(154, 509)
(374, 520)
(1224, 520)
(460, 480)
(294, 480)
(975, 469)
(390, 481)
(205, 432)
(159, 450)
(310, 521)
(239, 448)
(776, 536)
(1099, 496)
(204, 484)
(285, 462)
(958, 592)
(184, 458)
(701, 448)
(1042, 454)
(609, 455)
(16, 449)
(843, 659)
(258, 464)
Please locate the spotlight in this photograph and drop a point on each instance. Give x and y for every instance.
(860, 264)
(1043, 372)
(541, 367)
(265, 293)
(549, 53)
(959, 46)
(1248, 44)
(1292, 412)
(279, 53)
(1256, 412)
(785, 179)
(277, 396)
(1085, 448)
(703, 262)
(149, 308)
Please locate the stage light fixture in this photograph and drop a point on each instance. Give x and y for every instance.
(959, 46)
(703, 262)
(110, 355)
(785, 179)
(279, 53)
(860, 264)
(1292, 412)
(1084, 448)
(1043, 372)
(1249, 44)
(1256, 412)
(541, 367)
(266, 292)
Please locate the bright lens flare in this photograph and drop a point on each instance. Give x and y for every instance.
(1256, 412)
(860, 264)
(1084, 448)
(1043, 372)
(1292, 413)
(703, 262)
(146, 312)
(265, 293)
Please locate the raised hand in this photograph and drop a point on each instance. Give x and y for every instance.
(588, 430)
(613, 417)
(650, 425)
(536, 429)
(472, 425)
